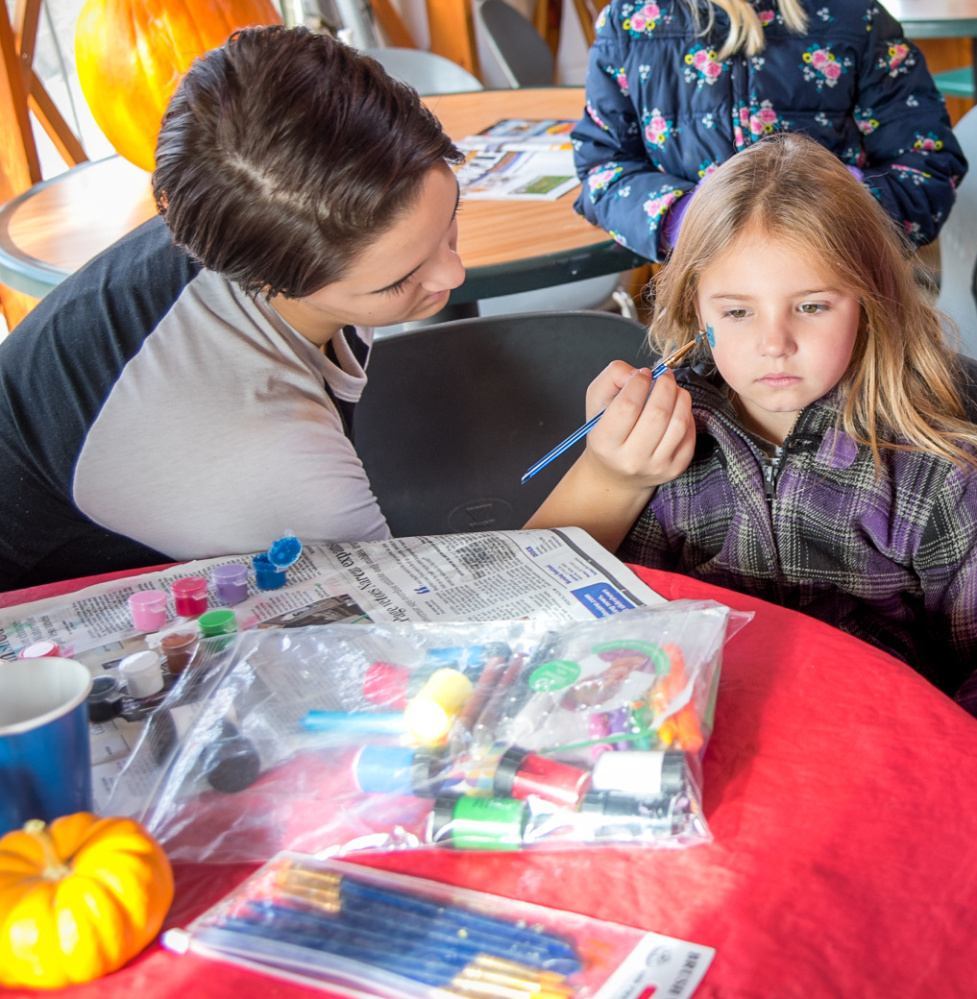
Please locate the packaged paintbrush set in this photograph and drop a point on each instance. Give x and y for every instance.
(355, 930)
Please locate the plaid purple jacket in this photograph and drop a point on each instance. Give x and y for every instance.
(892, 560)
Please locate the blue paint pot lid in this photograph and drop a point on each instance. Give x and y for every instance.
(285, 551)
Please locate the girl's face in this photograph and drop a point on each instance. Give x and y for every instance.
(784, 329)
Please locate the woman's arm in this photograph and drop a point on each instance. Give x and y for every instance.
(640, 442)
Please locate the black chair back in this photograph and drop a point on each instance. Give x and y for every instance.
(455, 413)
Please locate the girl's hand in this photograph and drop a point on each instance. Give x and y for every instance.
(642, 440)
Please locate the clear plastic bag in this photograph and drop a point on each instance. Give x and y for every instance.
(499, 735)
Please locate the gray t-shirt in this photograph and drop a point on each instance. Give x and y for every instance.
(149, 408)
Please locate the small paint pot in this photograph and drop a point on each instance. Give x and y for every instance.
(521, 774)
(105, 700)
(430, 713)
(217, 622)
(190, 594)
(178, 649)
(143, 674)
(478, 823)
(386, 683)
(398, 770)
(148, 610)
(231, 582)
(270, 567)
(40, 650)
(267, 575)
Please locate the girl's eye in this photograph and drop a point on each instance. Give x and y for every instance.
(735, 314)
(812, 308)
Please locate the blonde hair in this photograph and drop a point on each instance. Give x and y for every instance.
(902, 376)
(745, 30)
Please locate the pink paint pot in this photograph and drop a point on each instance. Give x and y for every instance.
(148, 610)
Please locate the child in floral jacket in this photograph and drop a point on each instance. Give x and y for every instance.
(676, 87)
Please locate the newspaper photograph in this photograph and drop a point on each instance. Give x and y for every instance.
(492, 174)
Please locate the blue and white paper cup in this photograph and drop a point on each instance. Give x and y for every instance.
(45, 758)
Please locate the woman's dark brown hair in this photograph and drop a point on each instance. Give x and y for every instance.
(284, 153)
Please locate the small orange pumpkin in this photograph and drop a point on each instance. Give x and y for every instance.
(131, 54)
(78, 898)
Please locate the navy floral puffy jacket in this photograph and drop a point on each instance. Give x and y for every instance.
(662, 112)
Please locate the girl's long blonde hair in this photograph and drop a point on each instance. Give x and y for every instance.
(900, 389)
(745, 30)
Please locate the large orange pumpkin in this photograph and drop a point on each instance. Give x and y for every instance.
(131, 55)
(78, 898)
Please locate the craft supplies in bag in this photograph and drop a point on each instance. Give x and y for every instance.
(490, 736)
(350, 929)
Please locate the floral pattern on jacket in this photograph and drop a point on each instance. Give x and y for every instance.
(660, 104)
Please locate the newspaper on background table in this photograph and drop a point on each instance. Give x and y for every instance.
(518, 159)
(562, 575)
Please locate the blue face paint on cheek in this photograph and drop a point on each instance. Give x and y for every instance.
(710, 335)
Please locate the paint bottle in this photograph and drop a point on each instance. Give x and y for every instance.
(143, 674)
(380, 769)
(270, 567)
(268, 576)
(430, 713)
(105, 698)
(217, 622)
(521, 774)
(178, 648)
(148, 609)
(230, 582)
(478, 823)
(190, 595)
(608, 815)
(642, 774)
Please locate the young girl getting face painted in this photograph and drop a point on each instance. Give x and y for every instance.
(820, 454)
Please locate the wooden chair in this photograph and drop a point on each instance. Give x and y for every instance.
(23, 95)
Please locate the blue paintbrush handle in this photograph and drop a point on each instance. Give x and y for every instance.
(378, 928)
(378, 722)
(488, 931)
(428, 968)
(560, 448)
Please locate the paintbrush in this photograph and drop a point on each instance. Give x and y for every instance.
(659, 369)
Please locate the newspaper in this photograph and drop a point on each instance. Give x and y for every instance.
(520, 159)
(561, 575)
(523, 134)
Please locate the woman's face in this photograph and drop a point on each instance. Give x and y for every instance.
(784, 329)
(406, 274)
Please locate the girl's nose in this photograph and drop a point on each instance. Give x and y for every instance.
(776, 340)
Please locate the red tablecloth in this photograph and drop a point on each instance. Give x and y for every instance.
(840, 789)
